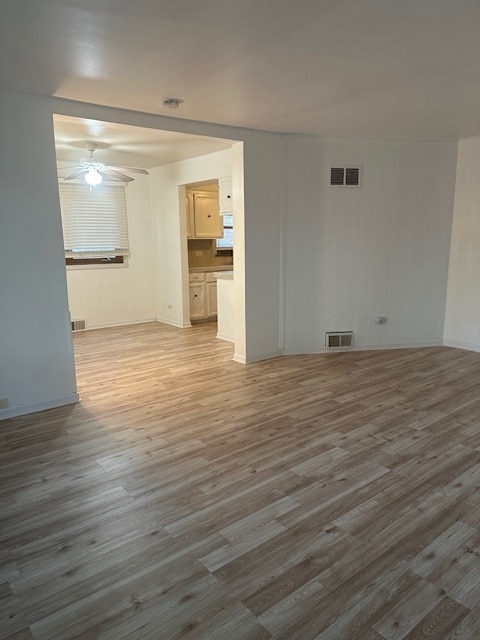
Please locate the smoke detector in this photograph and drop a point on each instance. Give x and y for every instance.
(172, 103)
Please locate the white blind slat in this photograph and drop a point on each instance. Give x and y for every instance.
(94, 220)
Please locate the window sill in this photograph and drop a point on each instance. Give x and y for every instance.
(106, 265)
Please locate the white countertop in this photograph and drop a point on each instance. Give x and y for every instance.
(223, 275)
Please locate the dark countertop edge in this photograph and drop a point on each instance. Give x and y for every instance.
(218, 267)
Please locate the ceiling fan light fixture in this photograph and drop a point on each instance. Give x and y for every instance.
(93, 177)
(172, 103)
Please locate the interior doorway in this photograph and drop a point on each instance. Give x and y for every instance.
(209, 233)
(150, 280)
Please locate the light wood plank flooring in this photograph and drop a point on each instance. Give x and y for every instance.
(326, 497)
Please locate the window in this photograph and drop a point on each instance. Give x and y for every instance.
(94, 223)
(226, 243)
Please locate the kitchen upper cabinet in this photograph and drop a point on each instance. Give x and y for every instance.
(225, 196)
(203, 217)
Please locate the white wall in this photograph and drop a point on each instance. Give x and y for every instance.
(258, 171)
(462, 319)
(36, 358)
(264, 205)
(331, 259)
(171, 253)
(381, 249)
(109, 296)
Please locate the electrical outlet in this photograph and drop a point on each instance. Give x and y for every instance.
(3, 403)
(199, 253)
(170, 306)
(381, 320)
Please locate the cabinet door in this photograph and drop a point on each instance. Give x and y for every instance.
(208, 222)
(225, 193)
(197, 301)
(211, 299)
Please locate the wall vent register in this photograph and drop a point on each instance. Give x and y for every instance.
(79, 325)
(339, 339)
(344, 176)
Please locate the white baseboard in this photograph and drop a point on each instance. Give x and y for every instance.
(174, 323)
(468, 346)
(366, 347)
(124, 323)
(410, 345)
(224, 336)
(118, 323)
(256, 358)
(25, 409)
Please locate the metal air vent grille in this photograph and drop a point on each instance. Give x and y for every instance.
(344, 176)
(339, 339)
(79, 325)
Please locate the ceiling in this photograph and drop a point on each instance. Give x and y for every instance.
(356, 68)
(127, 145)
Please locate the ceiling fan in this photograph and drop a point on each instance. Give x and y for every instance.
(93, 172)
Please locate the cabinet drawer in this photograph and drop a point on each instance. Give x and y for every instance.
(196, 277)
(210, 277)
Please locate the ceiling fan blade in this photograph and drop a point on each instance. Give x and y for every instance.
(76, 174)
(131, 169)
(117, 175)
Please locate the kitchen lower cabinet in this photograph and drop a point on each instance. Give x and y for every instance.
(203, 296)
(197, 301)
(211, 298)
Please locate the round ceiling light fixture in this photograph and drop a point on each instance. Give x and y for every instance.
(93, 177)
(172, 103)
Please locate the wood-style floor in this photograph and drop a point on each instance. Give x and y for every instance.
(327, 497)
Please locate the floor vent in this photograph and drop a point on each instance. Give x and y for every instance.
(78, 325)
(339, 339)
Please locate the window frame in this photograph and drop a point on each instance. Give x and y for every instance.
(226, 250)
(78, 228)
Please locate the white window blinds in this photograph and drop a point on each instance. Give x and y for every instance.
(226, 242)
(94, 220)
